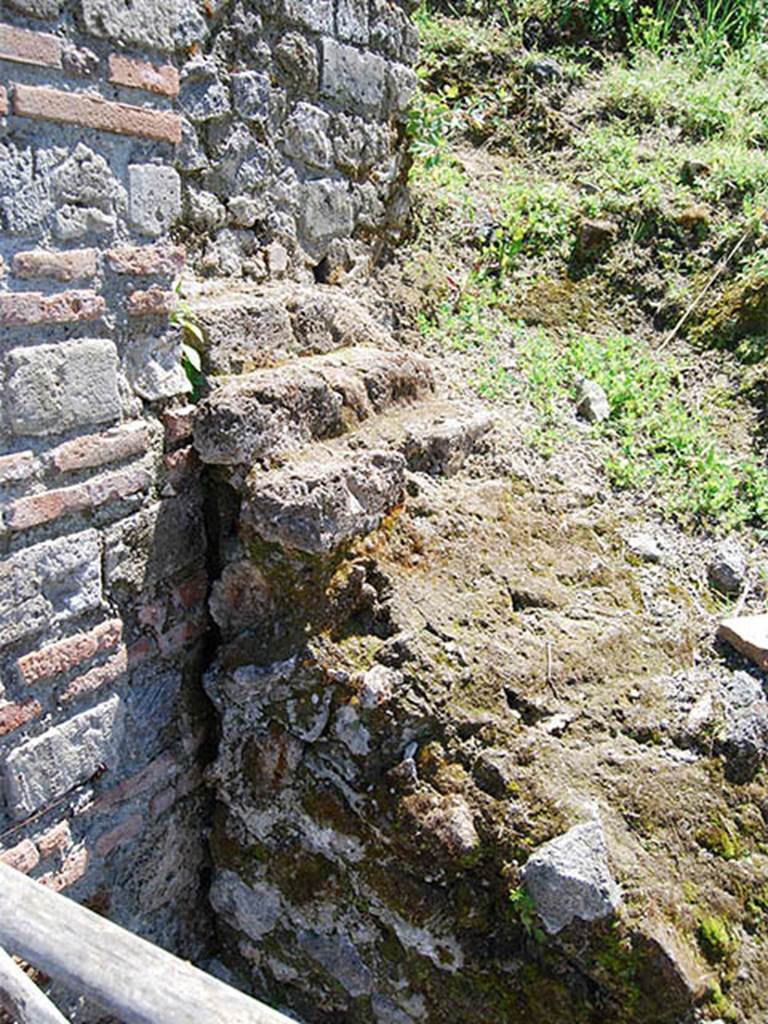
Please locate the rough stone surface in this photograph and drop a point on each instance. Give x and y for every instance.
(569, 878)
(749, 635)
(319, 504)
(592, 401)
(268, 411)
(155, 198)
(728, 568)
(51, 388)
(49, 583)
(52, 764)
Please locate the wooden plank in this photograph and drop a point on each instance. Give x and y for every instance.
(125, 975)
(21, 997)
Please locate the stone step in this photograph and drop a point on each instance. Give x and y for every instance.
(323, 500)
(268, 412)
(331, 493)
(434, 437)
(248, 329)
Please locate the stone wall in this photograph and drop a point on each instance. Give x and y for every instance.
(293, 123)
(256, 139)
(102, 577)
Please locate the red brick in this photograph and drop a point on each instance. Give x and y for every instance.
(137, 74)
(20, 309)
(25, 47)
(17, 468)
(64, 655)
(191, 592)
(23, 857)
(57, 839)
(3, 101)
(100, 675)
(72, 265)
(145, 260)
(13, 716)
(124, 832)
(153, 302)
(36, 509)
(176, 639)
(178, 425)
(72, 870)
(162, 769)
(47, 104)
(113, 445)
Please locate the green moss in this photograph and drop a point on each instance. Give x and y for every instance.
(715, 938)
(721, 838)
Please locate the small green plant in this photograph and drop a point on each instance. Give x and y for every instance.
(715, 938)
(183, 317)
(655, 440)
(525, 910)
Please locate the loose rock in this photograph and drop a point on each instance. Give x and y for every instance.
(569, 878)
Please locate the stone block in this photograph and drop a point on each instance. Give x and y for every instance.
(307, 136)
(326, 213)
(352, 21)
(353, 79)
(45, 9)
(49, 583)
(277, 410)
(154, 198)
(316, 15)
(251, 91)
(569, 878)
(50, 765)
(323, 501)
(154, 544)
(52, 388)
(150, 24)
(154, 365)
(203, 95)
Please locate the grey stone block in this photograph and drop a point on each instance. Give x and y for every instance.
(50, 765)
(154, 543)
(253, 909)
(352, 20)
(155, 198)
(72, 222)
(49, 583)
(307, 134)
(25, 199)
(154, 366)
(569, 878)
(352, 78)
(326, 214)
(85, 179)
(154, 24)
(51, 388)
(251, 91)
(47, 9)
(313, 14)
(203, 96)
(322, 502)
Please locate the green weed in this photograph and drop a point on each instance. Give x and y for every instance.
(655, 440)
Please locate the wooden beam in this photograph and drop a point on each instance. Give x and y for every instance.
(21, 997)
(127, 976)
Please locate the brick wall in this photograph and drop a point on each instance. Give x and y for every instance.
(254, 139)
(102, 559)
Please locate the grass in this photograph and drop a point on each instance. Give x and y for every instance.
(667, 143)
(655, 441)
